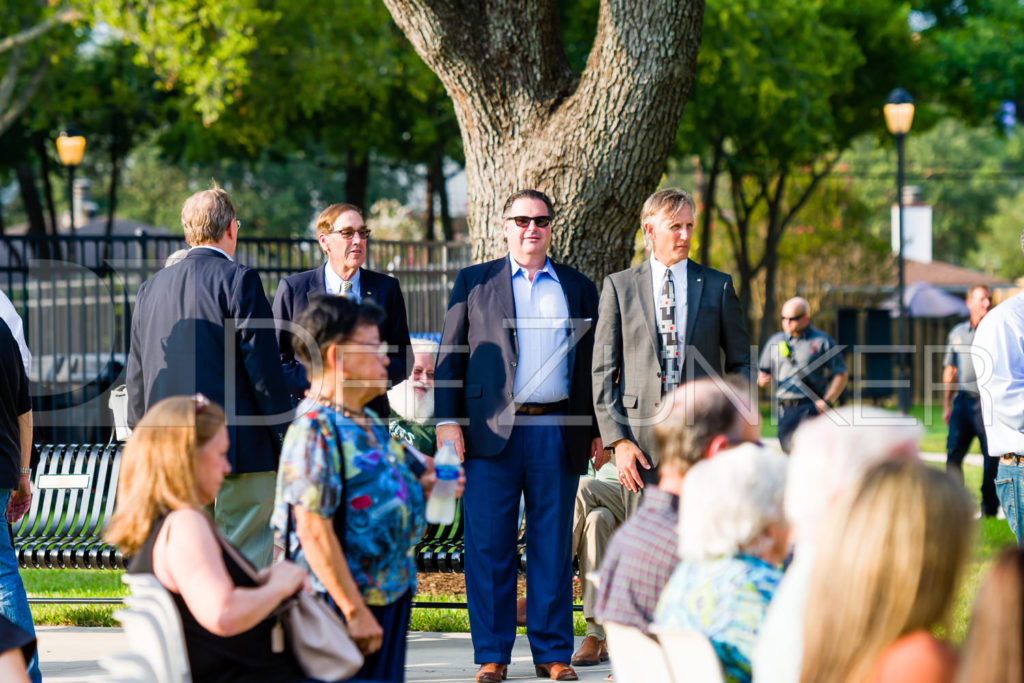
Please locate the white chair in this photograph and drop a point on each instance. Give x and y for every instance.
(128, 667)
(160, 604)
(690, 656)
(636, 658)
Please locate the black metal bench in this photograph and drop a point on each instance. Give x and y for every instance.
(74, 489)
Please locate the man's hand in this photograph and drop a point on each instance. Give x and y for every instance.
(763, 378)
(627, 456)
(452, 432)
(598, 454)
(947, 412)
(821, 406)
(20, 500)
(365, 631)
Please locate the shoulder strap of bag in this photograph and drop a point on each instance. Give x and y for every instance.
(239, 559)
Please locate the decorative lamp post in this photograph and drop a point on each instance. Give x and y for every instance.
(70, 148)
(899, 115)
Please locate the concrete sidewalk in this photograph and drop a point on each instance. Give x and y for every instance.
(70, 653)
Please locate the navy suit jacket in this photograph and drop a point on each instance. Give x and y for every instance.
(179, 346)
(477, 385)
(292, 297)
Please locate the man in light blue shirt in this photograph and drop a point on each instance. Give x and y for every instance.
(512, 391)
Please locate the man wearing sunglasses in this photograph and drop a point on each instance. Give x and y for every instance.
(344, 239)
(807, 367)
(512, 390)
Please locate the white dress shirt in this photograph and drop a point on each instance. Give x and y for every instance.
(217, 249)
(679, 280)
(10, 316)
(542, 327)
(332, 283)
(998, 355)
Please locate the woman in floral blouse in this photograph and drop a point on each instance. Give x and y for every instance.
(732, 538)
(350, 500)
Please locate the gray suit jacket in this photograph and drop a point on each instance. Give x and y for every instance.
(626, 369)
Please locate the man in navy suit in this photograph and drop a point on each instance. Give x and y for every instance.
(518, 407)
(343, 236)
(204, 325)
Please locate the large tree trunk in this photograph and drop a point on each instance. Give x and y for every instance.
(596, 143)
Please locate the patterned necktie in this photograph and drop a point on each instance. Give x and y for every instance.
(346, 288)
(668, 334)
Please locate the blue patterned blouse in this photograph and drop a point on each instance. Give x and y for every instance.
(726, 600)
(384, 517)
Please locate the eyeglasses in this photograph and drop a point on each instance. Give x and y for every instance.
(238, 225)
(524, 221)
(794, 320)
(349, 233)
(380, 349)
(201, 402)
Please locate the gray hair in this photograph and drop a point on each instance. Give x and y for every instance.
(671, 201)
(206, 216)
(425, 346)
(728, 501)
(829, 453)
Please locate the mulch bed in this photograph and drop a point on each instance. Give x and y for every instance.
(455, 585)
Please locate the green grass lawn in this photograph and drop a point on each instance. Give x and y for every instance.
(992, 536)
(935, 430)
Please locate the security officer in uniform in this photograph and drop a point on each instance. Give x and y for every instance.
(806, 365)
(962, 411)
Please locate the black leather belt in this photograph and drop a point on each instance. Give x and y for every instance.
(793, 402)
(1014, 459)
(542, 408)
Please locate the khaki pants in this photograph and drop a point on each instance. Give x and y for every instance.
(600, 508)
(242, 513)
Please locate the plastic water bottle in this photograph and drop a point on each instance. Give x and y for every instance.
(441, 504)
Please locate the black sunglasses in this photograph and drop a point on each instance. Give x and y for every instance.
(796, 319)
(524, 221)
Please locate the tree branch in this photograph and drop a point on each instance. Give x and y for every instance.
(64, 16)
(8, 117)
(10, 77)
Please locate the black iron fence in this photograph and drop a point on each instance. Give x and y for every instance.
(75, 295)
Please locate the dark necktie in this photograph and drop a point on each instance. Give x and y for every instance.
(668, 334)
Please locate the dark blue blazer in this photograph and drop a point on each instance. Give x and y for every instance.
(292, 297)
(477, 385)
(180, 345)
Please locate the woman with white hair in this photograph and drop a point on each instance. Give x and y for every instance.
(732, 539)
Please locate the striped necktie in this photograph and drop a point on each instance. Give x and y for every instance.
(668, 334)
(346, 289)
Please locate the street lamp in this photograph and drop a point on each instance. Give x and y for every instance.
(70, 148)
(899, 115)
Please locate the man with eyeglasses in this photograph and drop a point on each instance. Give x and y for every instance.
(807, 367)
(344, 239)
(662, 323)
(512, 391)
(184, 320)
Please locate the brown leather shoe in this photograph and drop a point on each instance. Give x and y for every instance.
(592, 652)
(492, 673)
(556, 671)
(521, 612)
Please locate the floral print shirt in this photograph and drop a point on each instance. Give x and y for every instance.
(726, 600)
(384, 513)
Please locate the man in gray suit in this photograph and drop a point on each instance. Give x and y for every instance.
(660, 324)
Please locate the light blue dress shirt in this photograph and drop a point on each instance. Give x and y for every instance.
(543, 329)
(332, 283)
